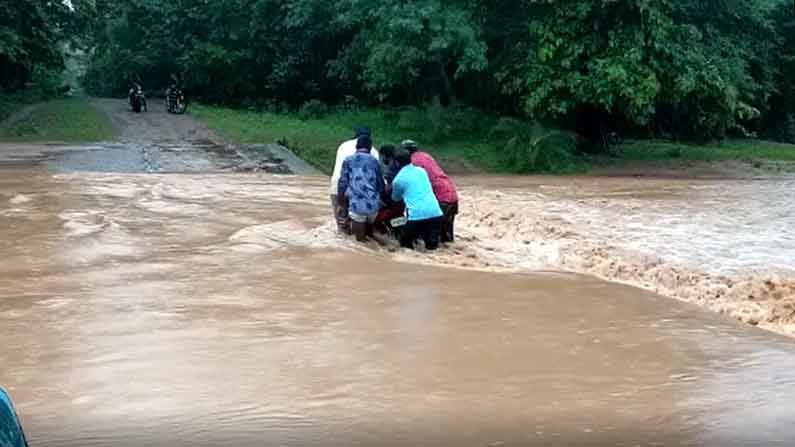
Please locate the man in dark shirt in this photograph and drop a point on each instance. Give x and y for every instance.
(390, 209)
(391, 166)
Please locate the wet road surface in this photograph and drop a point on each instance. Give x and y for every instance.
(154, 142)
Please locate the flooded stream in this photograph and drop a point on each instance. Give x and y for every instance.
(221, 309)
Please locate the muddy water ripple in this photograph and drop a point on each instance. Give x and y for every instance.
(187, 309)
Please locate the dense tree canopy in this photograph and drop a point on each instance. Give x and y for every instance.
(780, 121)
(33, 36)
(680, 68)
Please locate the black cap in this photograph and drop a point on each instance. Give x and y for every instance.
(410, 145)
(362, 131)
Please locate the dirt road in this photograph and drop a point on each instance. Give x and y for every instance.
(156, 141)
(155, 125)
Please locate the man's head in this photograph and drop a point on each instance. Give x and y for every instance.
(403, 158)
(362, 131)
(410, 145)
(363, 143)
(387, 153)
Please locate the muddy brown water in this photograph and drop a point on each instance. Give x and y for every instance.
(219, 309)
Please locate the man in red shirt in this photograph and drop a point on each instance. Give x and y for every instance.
(443, 188)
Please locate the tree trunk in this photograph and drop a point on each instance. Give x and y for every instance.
(447, 86)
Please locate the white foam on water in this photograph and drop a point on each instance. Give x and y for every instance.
(173, 207)
(83, 223)
(729, 246)
(20, 199)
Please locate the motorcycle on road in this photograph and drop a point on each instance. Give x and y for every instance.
(175, 101)
(137, 99)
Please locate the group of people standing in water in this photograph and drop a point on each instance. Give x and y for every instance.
(369, 187)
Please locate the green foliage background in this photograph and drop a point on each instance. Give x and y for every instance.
(682, 69)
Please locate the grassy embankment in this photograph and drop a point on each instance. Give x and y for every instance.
(316, 139)
(464, 141)
(652, 150)
(70, 120)
(11, 103)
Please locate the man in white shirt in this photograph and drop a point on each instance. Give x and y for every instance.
(345, 150)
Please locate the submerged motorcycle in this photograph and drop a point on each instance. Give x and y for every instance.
(137, 99)
(390, 220)
(175, 101)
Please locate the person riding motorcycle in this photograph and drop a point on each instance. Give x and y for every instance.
(175, 97)
(136, 90)
(171, 91)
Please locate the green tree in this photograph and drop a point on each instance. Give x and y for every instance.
(780, 122)
(28, 41)
(34, 35)
(594, 61)
(716, 66)
(688, 68)
(410, 50)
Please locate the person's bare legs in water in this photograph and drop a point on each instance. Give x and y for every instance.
(359, 229)
(362, 226)
(361, 183)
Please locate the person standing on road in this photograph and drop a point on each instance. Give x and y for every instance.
(443, 188)
(345, 150)
(413, 187)
(361, 183)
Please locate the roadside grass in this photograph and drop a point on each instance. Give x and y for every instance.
(658, 150)
(70, 120)
(8, 107)
(13, 102)
(463, 140)
(316, 139)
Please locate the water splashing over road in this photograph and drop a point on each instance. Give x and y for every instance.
(188, 309)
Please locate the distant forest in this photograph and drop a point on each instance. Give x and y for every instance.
(689, 69)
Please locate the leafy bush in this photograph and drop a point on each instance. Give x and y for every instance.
(466, 120)
(507, 128)
(313, 109)
(410, 118)
(436, 123)
(10, 103)
(533, 148)
(674, 152)
(350, 104)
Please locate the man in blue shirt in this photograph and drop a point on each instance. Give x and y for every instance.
(412, 186)
(362, 183)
